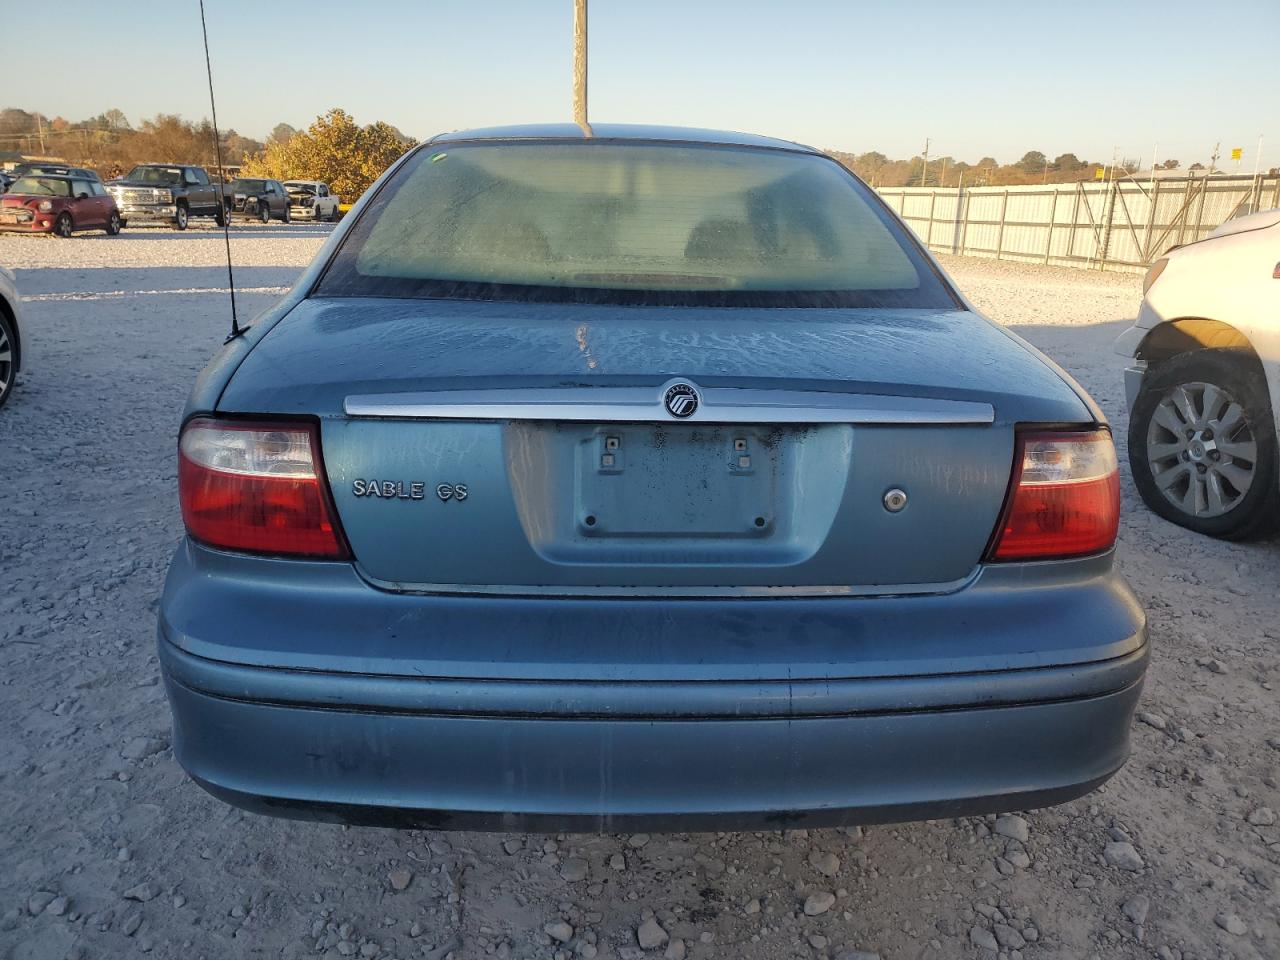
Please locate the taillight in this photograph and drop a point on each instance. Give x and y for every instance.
(1064, 498)
(257, 487)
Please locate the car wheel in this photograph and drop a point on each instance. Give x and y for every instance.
(264, 211)
(181, 217)
(220, 215)
(333, 214)
(1202, 444)
(287, 215)
(63, 227)
(113, 224)
(8, 354)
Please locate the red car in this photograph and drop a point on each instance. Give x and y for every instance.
(59, 205)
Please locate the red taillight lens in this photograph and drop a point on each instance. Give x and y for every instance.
(1064, 498)
(257, 487)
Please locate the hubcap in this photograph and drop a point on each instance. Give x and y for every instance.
(1201, 449)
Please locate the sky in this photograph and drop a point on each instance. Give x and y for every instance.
(982, 79)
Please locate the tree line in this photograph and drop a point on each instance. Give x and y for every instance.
(338, 151)
(1034, 167)
(334, 149)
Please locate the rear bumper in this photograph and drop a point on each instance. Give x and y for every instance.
(299, 690)
(444, 754)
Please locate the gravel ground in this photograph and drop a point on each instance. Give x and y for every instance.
(107, 851)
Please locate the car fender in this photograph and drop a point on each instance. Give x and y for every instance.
(1228, 278)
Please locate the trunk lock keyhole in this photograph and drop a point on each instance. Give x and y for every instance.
(895, 500)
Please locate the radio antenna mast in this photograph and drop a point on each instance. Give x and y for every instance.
(236, 329)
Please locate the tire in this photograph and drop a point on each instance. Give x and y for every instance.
(64, 226)
(264, 212)
(220, 215)
(288, 217)
(8, 347)
(1202, 445)
(333, 214)
(112, 228)
(181, 217)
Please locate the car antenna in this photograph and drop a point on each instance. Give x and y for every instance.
(236, 329)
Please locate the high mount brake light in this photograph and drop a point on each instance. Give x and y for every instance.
(1064, 498)
(257, 487)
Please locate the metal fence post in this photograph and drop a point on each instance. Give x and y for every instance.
(964, 226)
(1106, 225)
(1200, 210)
(1075, 215)
(1154, 200)
(928, 236)
(1053, 215)
(1004, 205)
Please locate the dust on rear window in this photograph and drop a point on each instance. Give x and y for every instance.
(630, 223)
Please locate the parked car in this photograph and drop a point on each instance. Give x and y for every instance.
(10, 334)
(648, 480)
(171, 193)
(55, 170)
(59, 205)
(259, 199)
(1204, 383)
(311, 200)
(6, 178)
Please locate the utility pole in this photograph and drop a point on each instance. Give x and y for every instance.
(1213, 161)
(925, 169)
(40, 127)
(580, 66)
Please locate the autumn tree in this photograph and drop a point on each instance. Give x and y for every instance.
(334, 149)
(1033, 161)
(281, 132)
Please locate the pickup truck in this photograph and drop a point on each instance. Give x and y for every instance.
(168, 192)
(312, 200)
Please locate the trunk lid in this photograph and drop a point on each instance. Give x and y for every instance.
(447, 485)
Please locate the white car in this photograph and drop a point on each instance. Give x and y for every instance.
(1204, 384)
(312, 200)
(10, 336)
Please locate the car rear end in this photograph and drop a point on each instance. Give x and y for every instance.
(669, 485)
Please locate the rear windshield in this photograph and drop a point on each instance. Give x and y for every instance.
(631, 223)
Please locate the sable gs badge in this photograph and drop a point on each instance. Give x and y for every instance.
(407, 490)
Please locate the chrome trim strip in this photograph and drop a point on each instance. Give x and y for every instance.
(745, 592)
(645, 405)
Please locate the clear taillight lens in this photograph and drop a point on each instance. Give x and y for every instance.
(1064, 498)
(257, 487)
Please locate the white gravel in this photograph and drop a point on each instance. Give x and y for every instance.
(107, 851)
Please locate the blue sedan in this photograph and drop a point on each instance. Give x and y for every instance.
(641, 478)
